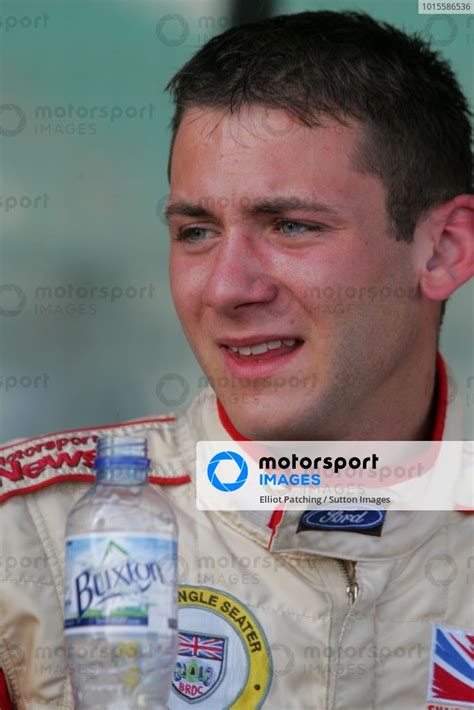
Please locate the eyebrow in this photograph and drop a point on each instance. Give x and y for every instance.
(273, 205)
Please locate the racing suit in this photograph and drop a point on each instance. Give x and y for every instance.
(321, 619)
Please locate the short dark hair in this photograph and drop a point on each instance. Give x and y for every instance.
(415, 118)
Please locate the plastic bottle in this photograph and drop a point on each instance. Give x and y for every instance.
(121, 596)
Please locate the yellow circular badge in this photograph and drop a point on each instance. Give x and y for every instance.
(223, 655)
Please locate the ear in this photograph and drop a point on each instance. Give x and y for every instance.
(449, 254)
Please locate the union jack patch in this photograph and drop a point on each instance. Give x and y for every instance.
(200, 665)
(452, 667)
(201, 646)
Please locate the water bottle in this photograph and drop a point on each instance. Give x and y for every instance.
(120, 611)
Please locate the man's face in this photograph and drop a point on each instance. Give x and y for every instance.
(321, 295)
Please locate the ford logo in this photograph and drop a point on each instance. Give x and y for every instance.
(343, 519)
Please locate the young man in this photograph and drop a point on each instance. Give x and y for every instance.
(320, 216)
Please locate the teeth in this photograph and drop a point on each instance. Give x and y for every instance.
(261, 347)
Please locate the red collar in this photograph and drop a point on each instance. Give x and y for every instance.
(441, 403)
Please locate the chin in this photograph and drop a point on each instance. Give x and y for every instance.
(274, 417)
(255, 423)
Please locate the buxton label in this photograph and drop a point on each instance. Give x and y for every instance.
(120, 580)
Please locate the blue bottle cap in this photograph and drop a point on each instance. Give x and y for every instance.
(122, 451)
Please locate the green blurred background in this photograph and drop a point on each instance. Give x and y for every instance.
(88, 331)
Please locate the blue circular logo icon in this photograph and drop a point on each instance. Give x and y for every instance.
(227, 456)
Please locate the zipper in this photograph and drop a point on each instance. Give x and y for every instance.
(348, 571)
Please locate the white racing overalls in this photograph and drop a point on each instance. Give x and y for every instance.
(321, 619)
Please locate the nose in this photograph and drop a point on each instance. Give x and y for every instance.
(239, 278)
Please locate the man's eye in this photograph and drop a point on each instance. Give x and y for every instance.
(291, 226)
(191, 234)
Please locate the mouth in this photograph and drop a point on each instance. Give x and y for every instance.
(259, 357)
(258, 350)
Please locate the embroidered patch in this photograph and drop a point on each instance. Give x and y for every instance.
(200, 665)
(223, 656)
(367, 522)
(452, 667)
(68, 456)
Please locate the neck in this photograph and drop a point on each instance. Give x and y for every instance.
(404, 409)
